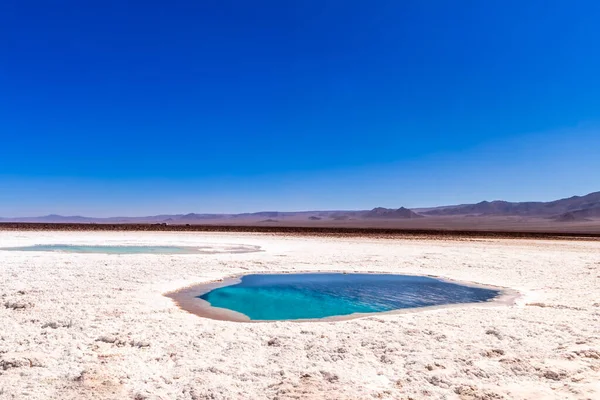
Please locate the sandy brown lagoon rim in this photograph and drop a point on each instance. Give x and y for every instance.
(187, 298)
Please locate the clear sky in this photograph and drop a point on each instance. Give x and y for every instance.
(147, 107)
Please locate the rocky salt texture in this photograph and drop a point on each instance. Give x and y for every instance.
(94, 326)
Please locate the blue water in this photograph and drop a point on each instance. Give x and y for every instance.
(319, 295)
(106, 249)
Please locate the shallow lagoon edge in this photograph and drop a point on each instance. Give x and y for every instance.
(187, 298)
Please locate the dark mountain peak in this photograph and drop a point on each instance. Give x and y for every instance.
(381, 212)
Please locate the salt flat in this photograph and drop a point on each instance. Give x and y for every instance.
(97, 326)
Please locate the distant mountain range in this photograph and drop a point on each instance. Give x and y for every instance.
(576, 208)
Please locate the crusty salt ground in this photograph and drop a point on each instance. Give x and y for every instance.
(95, 326)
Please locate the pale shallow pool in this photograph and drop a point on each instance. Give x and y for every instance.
(137, 249)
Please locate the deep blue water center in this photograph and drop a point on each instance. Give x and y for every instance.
(320, 295)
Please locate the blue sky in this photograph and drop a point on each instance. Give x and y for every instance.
(146, 107)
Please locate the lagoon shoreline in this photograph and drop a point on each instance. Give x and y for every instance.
(187, 298)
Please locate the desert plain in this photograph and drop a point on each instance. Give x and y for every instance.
(99, 326)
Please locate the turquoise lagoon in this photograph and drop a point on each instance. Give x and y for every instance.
(271, 297)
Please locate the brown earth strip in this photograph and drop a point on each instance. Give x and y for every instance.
(303, 230)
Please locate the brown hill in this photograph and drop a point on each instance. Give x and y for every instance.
(579, 215)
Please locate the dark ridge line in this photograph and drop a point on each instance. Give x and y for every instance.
(299, 230)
